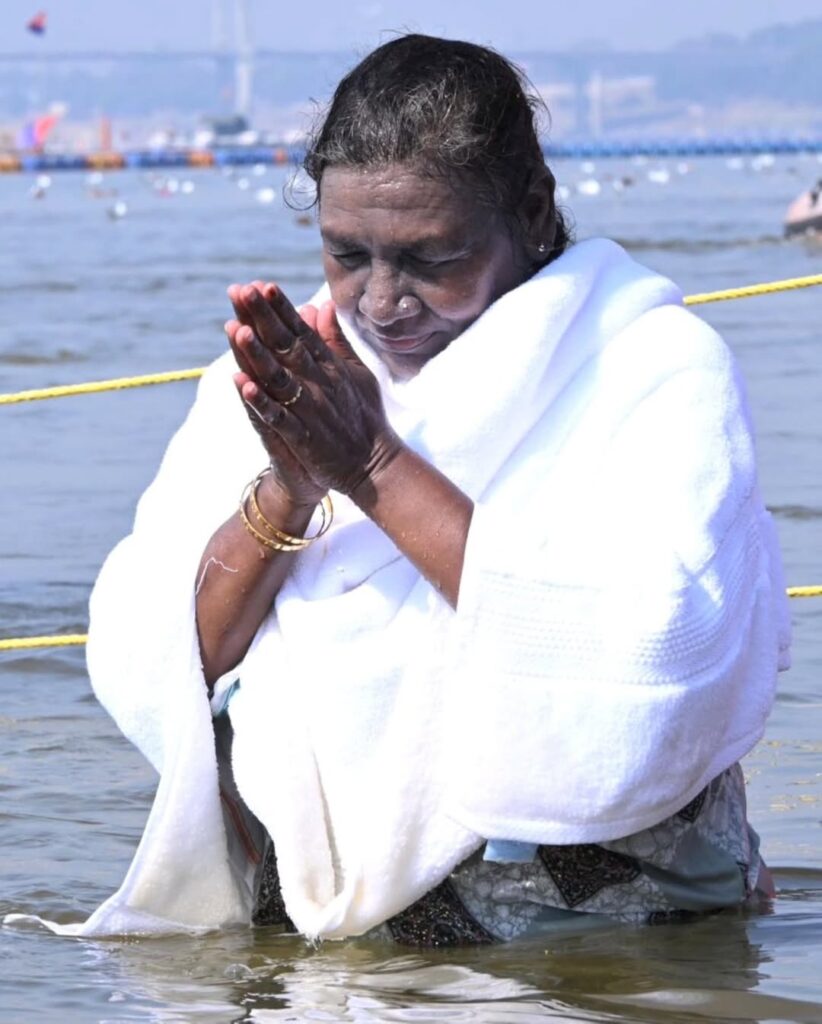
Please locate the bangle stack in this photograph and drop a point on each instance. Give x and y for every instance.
(268, 534)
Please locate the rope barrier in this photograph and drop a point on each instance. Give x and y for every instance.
(789, 284)
(94, 387)
(121, 383)
(814, 591)
(77, 639)
(26, 643)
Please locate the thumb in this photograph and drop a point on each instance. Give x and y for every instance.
(308, 314)
(328, 328)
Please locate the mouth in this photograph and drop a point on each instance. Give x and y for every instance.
(398, 345)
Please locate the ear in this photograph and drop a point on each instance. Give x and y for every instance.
(538, 215)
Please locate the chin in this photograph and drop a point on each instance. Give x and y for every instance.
(403, 369)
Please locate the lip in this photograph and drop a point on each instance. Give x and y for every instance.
(404, 345)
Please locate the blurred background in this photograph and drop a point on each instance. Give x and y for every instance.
(127, 74)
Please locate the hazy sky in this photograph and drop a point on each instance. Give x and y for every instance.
(510, 25)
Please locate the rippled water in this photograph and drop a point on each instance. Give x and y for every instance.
(84, 296)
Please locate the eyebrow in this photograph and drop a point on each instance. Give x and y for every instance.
(432, 243)
(343, 241)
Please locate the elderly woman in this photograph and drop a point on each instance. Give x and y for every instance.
(468, 555)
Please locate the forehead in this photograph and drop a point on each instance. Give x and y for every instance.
(396, 201)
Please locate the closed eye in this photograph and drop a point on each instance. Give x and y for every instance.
(420, 261)
(348, 259)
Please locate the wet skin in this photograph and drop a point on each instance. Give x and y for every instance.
(412, 260)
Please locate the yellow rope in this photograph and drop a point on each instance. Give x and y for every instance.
(118, 384)
(121, 383)
(789, 284)
(804, 591)
(73, 639)
(29, 642)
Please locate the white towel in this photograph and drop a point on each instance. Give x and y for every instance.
(620, 622)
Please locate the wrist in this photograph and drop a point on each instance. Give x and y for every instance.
(288, 510)
(389, 463)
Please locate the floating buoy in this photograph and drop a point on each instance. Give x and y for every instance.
(117, 210)
(589, 187)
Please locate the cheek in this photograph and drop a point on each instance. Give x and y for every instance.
(462, 299)
(345, 288)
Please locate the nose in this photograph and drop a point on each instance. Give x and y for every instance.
(383, 301)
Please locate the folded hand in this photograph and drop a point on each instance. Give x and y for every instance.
(314, 403)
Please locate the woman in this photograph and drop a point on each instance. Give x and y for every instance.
(506, 677)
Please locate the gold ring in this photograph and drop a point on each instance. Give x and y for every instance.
(293, 398)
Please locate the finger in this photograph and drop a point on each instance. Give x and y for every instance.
(234, 292)
(329, 330)
(241, 308)
(274, 444)
(272, 417)
(240, 382)
(286, 312)
(268, 323)
(308, 314)
(231, 327)
(302, 327)
(267, 371)
(296, 353)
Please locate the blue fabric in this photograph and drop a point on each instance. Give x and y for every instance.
(219, 705)
(508, 851)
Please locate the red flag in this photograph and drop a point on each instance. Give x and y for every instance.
(37, 25)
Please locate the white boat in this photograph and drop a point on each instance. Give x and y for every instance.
(804, 215)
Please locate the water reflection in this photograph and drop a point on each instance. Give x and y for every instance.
(719, 968)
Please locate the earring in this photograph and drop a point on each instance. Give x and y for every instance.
(542, 248)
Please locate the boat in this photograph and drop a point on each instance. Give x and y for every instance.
(804, 215)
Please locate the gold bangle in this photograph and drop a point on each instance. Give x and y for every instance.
(326, 510)
(278, 539)
(267, 542)
(284, 541)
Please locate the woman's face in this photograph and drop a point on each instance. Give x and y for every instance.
(412, 260)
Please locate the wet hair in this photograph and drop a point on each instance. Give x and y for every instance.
(446, 107)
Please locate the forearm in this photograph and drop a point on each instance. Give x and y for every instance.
(239, 578)
(426, 516)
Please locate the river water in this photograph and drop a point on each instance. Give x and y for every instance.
(85, 294)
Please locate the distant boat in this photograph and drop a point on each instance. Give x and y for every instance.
(804, 215)
(37, 25)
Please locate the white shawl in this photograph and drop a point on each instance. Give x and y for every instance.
(620, 623)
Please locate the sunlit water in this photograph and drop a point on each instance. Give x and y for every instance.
(84, 295)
